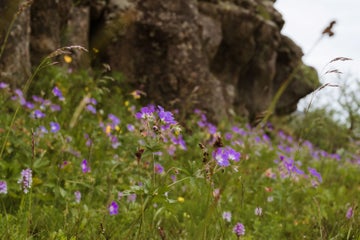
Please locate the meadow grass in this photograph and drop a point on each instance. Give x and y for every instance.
(85, 158)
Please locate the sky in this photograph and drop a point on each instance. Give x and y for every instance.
(304, 22)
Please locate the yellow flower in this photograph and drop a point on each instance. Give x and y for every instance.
(108, 129)
(126, 103)
(136, 94)
(67, 59)
(117, 128)
(181, 199)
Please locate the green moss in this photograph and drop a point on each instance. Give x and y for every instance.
(262, 11)
(310, 76)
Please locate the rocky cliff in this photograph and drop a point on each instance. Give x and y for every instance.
(226, 57)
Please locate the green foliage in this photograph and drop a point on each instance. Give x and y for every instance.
(185, 200)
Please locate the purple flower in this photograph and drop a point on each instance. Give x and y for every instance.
(3, 187)
(3, 85)
(212, 128)
(37, 99)
(166, 117)
(55, 108)
(56, 91)
(91, 108)
(315, 173)
(232, 154)
(113, 208)
(179, 141)
(158, 168)
(130, 127)
(146, 113)
(120, 195)
(349, 213)
(223, 155)
(239, 229)
(226, 216)
(20, 96)
(25, 180)
(291, 167)
(131, 197)
(88, 140)
(84, 166)
(115, 120)
(41, 130)
(77, 196)
(38, 114)
(54, 127)
(91, 101)
(29, 105)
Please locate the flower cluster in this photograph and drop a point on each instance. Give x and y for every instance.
(113, 208)
(222, 155)
(3, 187)
(25, 180)
(239, 229)
(161, 124)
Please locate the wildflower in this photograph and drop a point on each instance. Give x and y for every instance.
(25, 180)
(258, 211)
(29, 105)
(181, 199)
(270, 198)
(56, 91)
(113, 208)
(158, 168)
(216, 194)
(227, 216)
(91, 108)
(67, 58)
(54, 127)
(77, 196)
(212, 128)
(131, 197)
(115, 120)
(223, 155)
(37, 99)
(180, 142)
(315, 173)
(239, 229)
(146, 113)
(3, 85)
(166, 117)
(350, 213)
(120, 195)
(3, 187)
(84, 166)
(20, 96)
(130, 127)
(137, 94)
(55, 108)
(232, 154)
(38, 114)
(115, 142)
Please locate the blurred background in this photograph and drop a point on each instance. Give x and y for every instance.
(304, 22)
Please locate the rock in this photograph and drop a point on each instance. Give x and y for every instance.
(221, 56)
(14, 57)
(227, 57)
